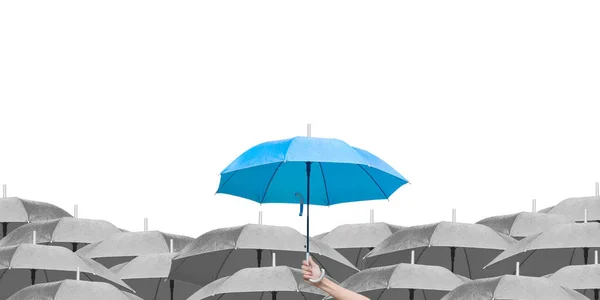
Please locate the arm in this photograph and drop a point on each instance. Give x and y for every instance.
(312, 270)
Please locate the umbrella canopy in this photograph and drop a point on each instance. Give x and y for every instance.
(261, 284)
(354, 241)
(513, 287)
(523, 224)
(573, 208)
(462, 248)
(222, 252)
(403, 281)
(15, 212)
(67, 232)
(72, 290)
(123, 247)
(147, 275)
(546, 252)
(325, 171)
(583, 278)
(27, 264)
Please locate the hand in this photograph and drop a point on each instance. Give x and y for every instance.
(310, 270)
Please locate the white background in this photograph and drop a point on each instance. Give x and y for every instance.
(132, 108)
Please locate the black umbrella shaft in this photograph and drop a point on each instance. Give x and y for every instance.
(411, 294)
(308, 165)
(74, 246)
(274, 295)
(32, 276)
(452, 256)
(596, 294)
(585, 255)
(259, 256)
(4, 228)
(172, 286)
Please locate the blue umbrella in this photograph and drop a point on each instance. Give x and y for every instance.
(327, 171)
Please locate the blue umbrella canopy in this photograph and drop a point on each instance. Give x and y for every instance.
(323, 171)
(273, 172)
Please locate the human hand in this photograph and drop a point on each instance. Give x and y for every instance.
(310, 270)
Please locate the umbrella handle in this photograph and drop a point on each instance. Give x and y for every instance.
(320, 277)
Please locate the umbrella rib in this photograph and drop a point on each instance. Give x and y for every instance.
(468, 264)
(424, 297)
(325, 184)
(157, 289)
(269, 184)
(382, 292)
(222, 264)
(572, 255)
(526, 258)
(227, 181)
(377, 184)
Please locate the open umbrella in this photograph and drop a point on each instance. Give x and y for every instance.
(585, 278)
(523, 224)
(148, 275)
(260, 284)
(546, 252)
(67, 232)
(573, 208)
(511, 287)
(354, 241)
(324, 171)
(72, 290)
(403, 281)
(29, 264)
(463, 248)
(123, 247)
(222, 252)
(16, 212)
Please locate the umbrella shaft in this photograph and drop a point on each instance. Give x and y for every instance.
(274, 295)
(259, 256)
(4, 228)
(172, 286)
(32, 276)
(308, 165)
(411, 294)
(452, 256)
(74, 246)
(585, 255)
(596, 294)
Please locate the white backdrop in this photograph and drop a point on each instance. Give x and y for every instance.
(132, 108)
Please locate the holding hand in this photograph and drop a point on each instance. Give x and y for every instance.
(311, 272)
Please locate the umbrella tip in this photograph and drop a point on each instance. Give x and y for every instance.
(308, 130)
(4, 191)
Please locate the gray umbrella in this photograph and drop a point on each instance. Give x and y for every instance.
(29, 264)
(224, 251)
(123, 247)
(148, 276)
(546, 252)
(462, 248)
(15, 212)
(511, 287)
(72, 290)
(584, 278)
(573, 209)
(354, 241)
(260, 284)
(67, 232)
(523, 224)
(403, 281)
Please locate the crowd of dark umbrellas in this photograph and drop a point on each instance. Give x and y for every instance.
(48, 253)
